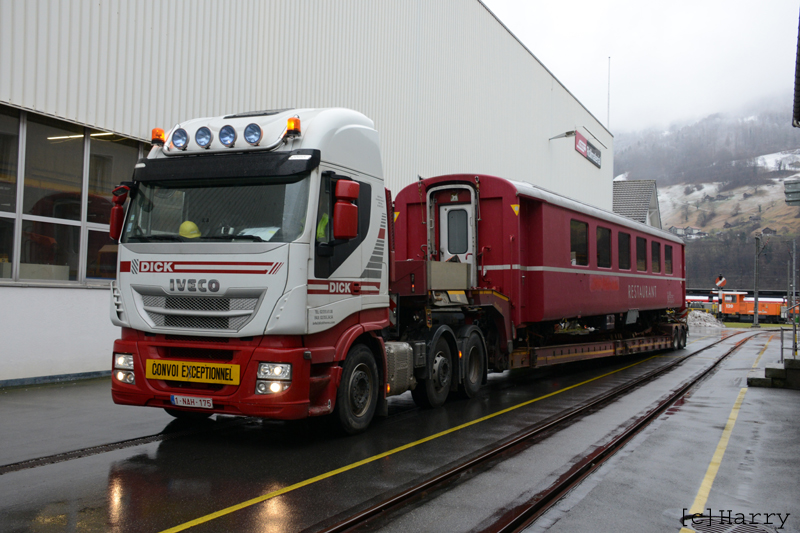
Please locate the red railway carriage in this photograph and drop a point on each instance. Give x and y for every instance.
(552, 257)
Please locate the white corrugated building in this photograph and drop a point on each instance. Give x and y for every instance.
(82, 83)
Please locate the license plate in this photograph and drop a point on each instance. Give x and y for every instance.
(191, 401)
(192, 371)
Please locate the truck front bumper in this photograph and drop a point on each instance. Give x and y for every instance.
(234, 399)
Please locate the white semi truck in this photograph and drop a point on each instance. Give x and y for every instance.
(257, 275)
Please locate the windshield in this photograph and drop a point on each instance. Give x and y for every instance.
(264, 209)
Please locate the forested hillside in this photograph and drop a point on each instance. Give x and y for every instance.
(723, 176)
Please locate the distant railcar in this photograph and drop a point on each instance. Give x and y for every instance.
(737, 306)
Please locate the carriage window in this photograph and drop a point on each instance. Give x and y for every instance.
(603, 247)
(457, 231)
(579, 242)
(668, 259)
(624, 242)
(641, 254)
(655, 256)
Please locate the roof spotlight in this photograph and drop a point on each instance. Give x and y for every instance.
(227, 136)
(252, 134)
(180, 139)
(203, 137)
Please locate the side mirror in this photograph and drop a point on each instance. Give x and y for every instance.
(118, 212)
(345, 212)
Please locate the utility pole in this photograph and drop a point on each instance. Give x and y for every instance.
(759, 249)
(790, 279)
(608, 111)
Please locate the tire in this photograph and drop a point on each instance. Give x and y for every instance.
(187, 415)
(676, 339)
(683, 339)
(474, 363)
(432, 392)
(357, 397)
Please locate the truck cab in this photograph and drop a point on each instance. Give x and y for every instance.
(251, 257)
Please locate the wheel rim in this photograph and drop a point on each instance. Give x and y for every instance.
(441, 371)
(360, 395)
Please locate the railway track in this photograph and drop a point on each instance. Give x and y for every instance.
(522, 516)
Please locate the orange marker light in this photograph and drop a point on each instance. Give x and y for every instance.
(388, 388)
(293, 126)
(158, 136)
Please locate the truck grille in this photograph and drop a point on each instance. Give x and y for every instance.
(186, 312)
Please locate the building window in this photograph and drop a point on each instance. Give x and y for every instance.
(60, 233)
(579, 242)
(9, 151)
(53, 169)
(6, 247)
(655, 256)
(641, 254)
(111, 161)
(603, 247)
(49, 251)
(101, 256)
(667, 259)
(624, 245)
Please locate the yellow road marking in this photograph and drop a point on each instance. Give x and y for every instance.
(332, 473)
(762, 351)
(705, 487)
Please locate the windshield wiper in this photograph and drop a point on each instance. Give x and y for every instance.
(149, 238)
(254, 238)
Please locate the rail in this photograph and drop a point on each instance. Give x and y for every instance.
(525, 514)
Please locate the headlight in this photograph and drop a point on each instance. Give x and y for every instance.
(271, 387)
(276, 371)
(123, 361)
(227, 136)
(203, 137)
(252, 134)
(125, 376)
(180, 139)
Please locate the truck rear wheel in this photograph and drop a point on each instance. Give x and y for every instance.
(473, 365)
(357, 396)
(432, 392)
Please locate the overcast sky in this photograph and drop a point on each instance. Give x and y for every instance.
(671, 62)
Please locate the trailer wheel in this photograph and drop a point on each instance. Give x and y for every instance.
(357, 396)
(432, 392)
(187, 415)
(473, 365)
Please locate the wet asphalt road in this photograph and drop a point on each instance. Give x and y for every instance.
(222, 475)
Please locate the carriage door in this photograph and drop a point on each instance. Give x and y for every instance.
(456, 233)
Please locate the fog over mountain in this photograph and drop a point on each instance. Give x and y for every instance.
(718, 148)
(723, 176)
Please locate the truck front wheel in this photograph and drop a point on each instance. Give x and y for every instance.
(357, 396)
